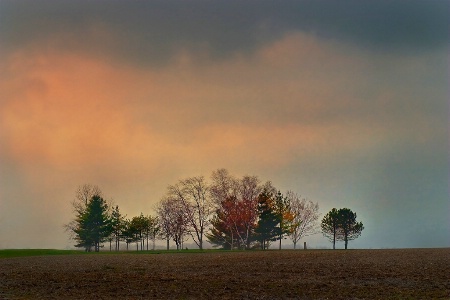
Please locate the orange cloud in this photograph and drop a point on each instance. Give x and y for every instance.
(70, 108)
(66, 109)
(293, 100)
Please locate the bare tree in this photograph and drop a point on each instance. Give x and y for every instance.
(223, 186)
(249, 188)
(193, 194)
(82, 196)
(173, 221)
(305, 215)
(152, 229)
(165, 221)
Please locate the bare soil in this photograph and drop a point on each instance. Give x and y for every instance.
(286, 274)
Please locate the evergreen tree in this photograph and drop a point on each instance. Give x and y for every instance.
(268, 227)
(129, 233)
(341, 225)
(349, 229)
(93, 224)
(220, 234)
(330, 225)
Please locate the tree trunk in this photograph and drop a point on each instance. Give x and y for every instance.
(334, 239)
(231, 246)
(279, 248)
(167, 243)
(295, 245)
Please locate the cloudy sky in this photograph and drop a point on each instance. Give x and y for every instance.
(345, 103)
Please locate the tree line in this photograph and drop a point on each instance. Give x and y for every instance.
(228, 212)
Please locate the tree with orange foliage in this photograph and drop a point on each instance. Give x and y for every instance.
(282, 207)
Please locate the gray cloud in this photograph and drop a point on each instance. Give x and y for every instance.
(151, 31)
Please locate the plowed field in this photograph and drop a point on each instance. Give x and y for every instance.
(287, 274)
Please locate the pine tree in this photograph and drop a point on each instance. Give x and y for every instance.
(349, 229)
(268, 228)
(330, 225)
(341, 225)
(93, 224)
(220, 234)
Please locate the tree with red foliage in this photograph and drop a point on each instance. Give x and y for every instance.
(234, 223)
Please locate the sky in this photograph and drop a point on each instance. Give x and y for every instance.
(345, 103)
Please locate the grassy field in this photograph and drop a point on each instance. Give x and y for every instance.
(287, 274)
(8, 253)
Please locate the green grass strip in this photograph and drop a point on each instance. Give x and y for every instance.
(8, 253)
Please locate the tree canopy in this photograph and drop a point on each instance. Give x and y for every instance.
(349, 229)
(341, 225)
